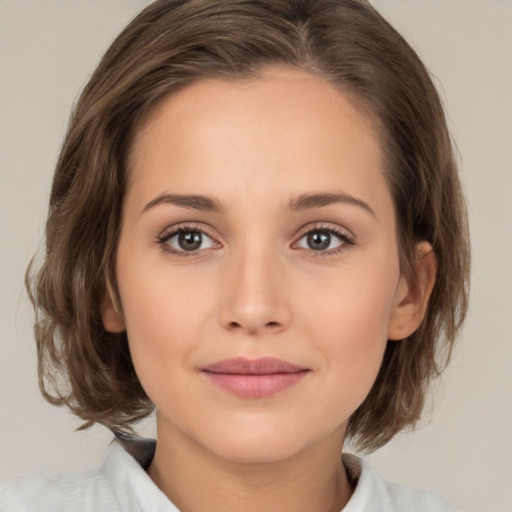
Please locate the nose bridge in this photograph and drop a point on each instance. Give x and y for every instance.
(254, 296)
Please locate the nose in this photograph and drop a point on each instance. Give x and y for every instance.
(254, 293)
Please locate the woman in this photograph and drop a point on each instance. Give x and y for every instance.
(256, 226)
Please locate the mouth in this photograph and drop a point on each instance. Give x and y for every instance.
(254, 378)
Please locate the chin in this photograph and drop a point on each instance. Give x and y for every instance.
(263, 452)
(257, 443)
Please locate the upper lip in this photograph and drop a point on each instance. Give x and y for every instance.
(262, 366)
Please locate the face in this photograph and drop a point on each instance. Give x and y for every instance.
(257, 264)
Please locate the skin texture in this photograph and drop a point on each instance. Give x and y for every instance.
(256, 288)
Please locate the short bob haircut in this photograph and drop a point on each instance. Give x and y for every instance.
(171, 44)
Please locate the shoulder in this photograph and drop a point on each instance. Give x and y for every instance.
(55, 493)
(119, 484)
(373, 493)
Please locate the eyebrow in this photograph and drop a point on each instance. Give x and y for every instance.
(301, 203)
(313, 201)
(191, 201)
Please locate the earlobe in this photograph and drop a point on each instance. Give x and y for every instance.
(411, 298)
(111, 315)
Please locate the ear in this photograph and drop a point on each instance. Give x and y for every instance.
(411, 298)
(111, 314)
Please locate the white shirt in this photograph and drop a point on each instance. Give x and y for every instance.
(121, 484)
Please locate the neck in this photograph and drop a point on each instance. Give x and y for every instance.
(196, 479)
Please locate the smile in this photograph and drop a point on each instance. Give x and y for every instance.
(257, 378)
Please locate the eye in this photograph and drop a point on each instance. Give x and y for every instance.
(325, 240)
(186, 240)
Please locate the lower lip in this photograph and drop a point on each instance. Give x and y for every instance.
(255, 386)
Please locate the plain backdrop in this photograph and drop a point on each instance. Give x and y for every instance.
(463, 451)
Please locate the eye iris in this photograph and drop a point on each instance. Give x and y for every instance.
(190, 240)
(319, 240)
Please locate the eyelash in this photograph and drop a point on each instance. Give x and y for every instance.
(164, 238)
(347, 240)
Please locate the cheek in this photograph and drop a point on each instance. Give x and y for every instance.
(353, 304)
(160, 300)
(163, 314)
(348, 322)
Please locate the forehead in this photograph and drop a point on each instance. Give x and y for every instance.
(275, 94)
(286, 128)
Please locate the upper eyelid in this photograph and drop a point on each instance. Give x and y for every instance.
(336, 229)
(326, 226)
(192, 226)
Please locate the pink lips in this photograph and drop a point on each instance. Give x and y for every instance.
(256, 378)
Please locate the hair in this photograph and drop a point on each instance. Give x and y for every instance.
(173, 43)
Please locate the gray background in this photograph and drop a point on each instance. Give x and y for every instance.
(463, 451)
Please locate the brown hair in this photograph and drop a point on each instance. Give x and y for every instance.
(173, 43)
